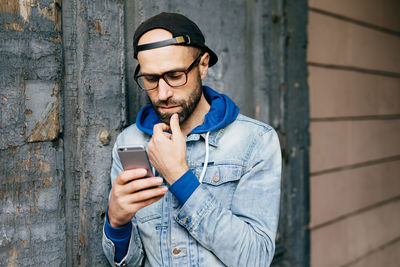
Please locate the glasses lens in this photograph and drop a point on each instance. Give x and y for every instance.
(176, 78)
(147, 82)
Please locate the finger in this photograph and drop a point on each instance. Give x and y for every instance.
(129, 175)
(141, 184)
(166, 134)
(160, 128)
(147, 194)
(174, 123)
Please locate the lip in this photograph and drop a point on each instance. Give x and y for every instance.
(168, 108)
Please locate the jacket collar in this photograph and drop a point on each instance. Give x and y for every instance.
(213, 138)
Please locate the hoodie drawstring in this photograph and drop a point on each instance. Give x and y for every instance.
(203, 172)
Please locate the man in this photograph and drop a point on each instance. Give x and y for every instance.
(217, 202)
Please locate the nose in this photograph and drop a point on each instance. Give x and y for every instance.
(164, 90)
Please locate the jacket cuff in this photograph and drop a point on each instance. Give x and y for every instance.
(200, 204)
(133, 257)
(184, 187)
(120, 236)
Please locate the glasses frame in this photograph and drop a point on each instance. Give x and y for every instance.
(162, 75)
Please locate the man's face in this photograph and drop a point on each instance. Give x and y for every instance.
(167, 100)
(183, 105)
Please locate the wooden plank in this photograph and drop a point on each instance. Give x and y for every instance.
(340, 193)
(32, 217)
(343, 242)
(340, 93)
(380, 13)
(337, 42)
(387, 256)
(288, 94)
(31, 206)
(341, 143)
(93, 105)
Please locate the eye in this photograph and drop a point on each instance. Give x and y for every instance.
(176, 75)
(150, 78)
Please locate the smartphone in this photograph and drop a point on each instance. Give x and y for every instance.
(133, 157)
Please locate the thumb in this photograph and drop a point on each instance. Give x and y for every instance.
(174, 124)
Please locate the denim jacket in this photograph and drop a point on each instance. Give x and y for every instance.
(231, 219)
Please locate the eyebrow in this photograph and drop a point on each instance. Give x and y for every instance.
(173, 70)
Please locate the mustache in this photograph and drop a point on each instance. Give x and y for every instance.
(168, 102)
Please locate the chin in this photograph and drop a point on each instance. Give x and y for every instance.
(166, 117)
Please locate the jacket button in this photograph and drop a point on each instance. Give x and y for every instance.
(176, 251)
(184, 220)
(123, 264)
(216, 177)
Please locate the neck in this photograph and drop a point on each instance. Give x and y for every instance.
(197, 117)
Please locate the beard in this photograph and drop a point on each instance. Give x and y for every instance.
(188, 106)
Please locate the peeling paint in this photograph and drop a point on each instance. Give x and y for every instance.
(3, 192)
(13, 148)
(44, 166)
(27, 164)
(47, 181)
(25, 9)
(52, 12)
(13, 256)
(98, 26)
(81, 239)
(24, 243)
(48, 129)
(37, 150)
(56, 41)
(104, 137)
(13, 26)
(42, 123)
(9, 7)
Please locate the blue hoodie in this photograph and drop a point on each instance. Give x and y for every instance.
(223, 111)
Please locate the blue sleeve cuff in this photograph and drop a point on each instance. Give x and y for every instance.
(184, 186)
(120, 236)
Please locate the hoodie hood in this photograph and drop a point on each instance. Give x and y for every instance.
(222, 112)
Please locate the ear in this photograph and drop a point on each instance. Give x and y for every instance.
(203, 65)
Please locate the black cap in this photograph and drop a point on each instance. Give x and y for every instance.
(184, 32)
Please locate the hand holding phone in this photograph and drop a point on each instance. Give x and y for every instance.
(130, 192)
(135, 187)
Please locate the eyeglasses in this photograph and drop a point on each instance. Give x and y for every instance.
(174, 78)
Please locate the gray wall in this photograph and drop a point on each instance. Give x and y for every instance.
(234, 30)
(67, 91)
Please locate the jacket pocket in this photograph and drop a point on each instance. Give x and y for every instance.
(150, 213)
(221, 180)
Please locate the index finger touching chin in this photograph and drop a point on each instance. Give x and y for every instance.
(160, 127)
(129, 175)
